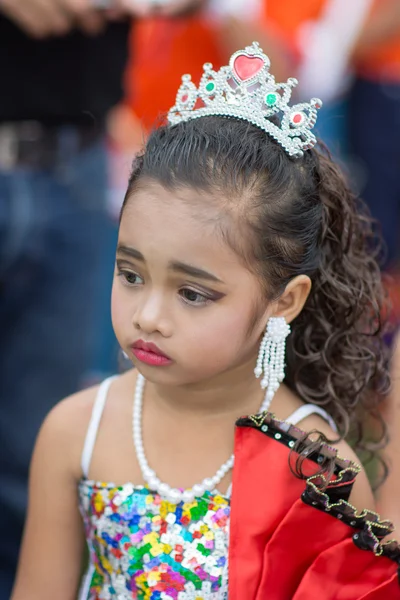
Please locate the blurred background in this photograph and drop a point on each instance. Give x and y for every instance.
(82, 83)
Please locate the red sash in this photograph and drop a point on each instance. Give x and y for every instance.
(290, 540)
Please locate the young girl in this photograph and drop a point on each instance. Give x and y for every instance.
(242, 259)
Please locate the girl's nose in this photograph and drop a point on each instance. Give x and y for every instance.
(150, 316)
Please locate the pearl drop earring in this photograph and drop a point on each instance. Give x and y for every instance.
(271, 357)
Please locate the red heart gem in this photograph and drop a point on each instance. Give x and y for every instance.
(245, 67)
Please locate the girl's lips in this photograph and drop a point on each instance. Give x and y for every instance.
(150, 354)
(151, 358)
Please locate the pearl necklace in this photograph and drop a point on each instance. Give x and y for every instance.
(173, 495)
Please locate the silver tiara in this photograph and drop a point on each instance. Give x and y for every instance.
(246, 90)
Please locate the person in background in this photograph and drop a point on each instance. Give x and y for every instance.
(61, 70)
(374, 121)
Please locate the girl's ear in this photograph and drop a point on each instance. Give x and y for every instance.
(291, 302)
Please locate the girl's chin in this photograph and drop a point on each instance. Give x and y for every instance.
(172, 376)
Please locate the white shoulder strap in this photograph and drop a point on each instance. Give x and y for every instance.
(310, 409)
(97, 411)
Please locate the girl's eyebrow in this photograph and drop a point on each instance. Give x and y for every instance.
(173, 265)
(192, 271)
(131, 252)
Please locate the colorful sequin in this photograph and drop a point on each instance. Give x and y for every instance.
(146, 548)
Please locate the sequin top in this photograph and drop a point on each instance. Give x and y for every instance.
(143, 547)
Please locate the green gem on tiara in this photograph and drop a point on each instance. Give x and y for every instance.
(271, 99)
(210, 87)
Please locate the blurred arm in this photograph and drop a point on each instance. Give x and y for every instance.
(384, 26)
(327, 46)
(52, 548)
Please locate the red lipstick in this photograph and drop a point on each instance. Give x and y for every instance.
(150, 354)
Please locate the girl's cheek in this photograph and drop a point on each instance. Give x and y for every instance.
(118, 310)
(224, 336)
(114, 304)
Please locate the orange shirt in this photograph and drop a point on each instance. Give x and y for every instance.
(288, 15)
(163, 50)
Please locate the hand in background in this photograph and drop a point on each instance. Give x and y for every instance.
(43, 18)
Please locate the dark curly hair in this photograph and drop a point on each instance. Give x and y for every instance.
(302, 219)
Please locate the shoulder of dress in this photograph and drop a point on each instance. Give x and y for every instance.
(297, 440)
(329, 488)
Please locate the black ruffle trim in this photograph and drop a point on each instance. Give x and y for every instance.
(330, 496)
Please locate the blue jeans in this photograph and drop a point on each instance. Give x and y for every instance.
(55, 239)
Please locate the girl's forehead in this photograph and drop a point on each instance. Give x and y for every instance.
(179, 216)
(178, 224)
(179, 203)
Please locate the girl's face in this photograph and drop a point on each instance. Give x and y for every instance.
(179, 286)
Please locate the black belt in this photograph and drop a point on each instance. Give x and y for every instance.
(35, 145)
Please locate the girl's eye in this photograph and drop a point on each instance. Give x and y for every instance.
(129, 277)
(193, 297)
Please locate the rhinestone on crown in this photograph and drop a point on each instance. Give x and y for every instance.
(245, 89)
